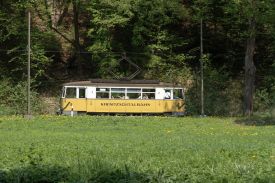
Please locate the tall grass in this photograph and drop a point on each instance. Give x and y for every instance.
(134, 149)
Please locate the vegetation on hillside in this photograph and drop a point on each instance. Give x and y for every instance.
(77, 39)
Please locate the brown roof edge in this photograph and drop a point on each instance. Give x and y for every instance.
(98, 82)
(124, 81)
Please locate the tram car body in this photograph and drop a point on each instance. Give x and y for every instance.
(125, 97)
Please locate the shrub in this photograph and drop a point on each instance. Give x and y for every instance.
(261, 100)
(222, 95)
(13, 98)
(264, 101)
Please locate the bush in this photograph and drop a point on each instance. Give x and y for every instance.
(13, 99)
(264, 101)
(261, 100)
(222, 95)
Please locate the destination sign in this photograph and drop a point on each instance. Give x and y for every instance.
(125, 104)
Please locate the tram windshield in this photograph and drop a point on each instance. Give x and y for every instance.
(70, 92)
(74, 92)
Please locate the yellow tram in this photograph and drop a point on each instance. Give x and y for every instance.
(122, 96)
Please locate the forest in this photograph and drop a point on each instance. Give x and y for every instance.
(73, 40)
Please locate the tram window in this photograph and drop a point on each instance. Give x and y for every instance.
(71, 93)
(82, 93)
(148, 96)
(151, 95)
(148, 93)
(117, 90)
(148, 90)
(177, 94)
(63, 92)
(102, 92)
(167, 94)
(133, 93)
(118, 93)
(102, 95)
(133, 96)
(133, 90)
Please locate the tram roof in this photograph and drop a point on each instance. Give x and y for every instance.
(122, 83)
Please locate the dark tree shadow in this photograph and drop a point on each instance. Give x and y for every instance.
(256, 121)
(54, 174)
(118, 175)
(35, 174)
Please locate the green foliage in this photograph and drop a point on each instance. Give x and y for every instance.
(272, 96)
(152, 31)
(222, 94)
(13, 98)
(106, 16)
(13, 40)
(134, 149)
(162, 37)
(139, 26)
(262, 100)
(172, 69)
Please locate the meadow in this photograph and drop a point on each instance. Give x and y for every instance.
(134, 149)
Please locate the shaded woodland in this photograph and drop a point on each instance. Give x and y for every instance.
(81, 39)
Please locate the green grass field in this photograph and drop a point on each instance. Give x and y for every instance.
(134, 149)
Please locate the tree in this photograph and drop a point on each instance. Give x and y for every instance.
(256, 14)
(250, 68)
(13, 43)
(151, 29)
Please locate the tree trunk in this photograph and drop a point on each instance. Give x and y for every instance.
(76, 29)
(76, 38)
(250, 69)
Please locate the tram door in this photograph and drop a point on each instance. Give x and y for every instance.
(82, 99)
